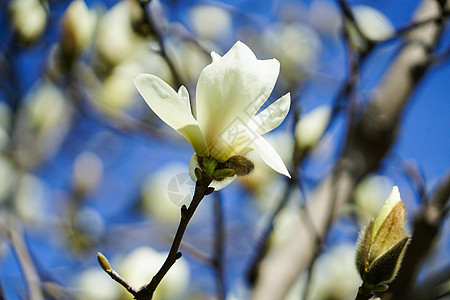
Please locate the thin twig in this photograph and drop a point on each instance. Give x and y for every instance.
(2, 295)
(178, 81)
(26, 264)
(119, 279)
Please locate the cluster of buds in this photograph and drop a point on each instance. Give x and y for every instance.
(381, 247)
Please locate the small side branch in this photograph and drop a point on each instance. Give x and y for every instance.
(146, 292)
(26, 264)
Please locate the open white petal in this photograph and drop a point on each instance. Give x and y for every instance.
(172, 108)
(271, 117)
(215, 56)
(232, 89)
(270, 156)
(184, 94)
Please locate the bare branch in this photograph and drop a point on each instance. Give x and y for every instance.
(26, 264)
(374, 133)
(146, 292)
(427, 226)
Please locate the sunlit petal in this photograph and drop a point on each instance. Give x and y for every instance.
(172, 108)
(272, 116)
(233, 88)
(270, 156)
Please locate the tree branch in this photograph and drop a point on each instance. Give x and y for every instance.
(373, 135)
(426, 228)
(26, 264)
(201, 188)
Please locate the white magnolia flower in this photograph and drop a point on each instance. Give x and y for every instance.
(230, 91)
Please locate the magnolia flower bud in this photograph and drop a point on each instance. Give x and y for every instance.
(77, 29)
(218, 19)
(373, 25)
(29, 19)
(87, 172)
(310, 127)
(382, 244)
(115, 39)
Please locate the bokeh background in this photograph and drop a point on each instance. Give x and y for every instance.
(85, 165)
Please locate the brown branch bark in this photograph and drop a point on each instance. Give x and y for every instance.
(26, 264)
(146, 292)
(371, 137)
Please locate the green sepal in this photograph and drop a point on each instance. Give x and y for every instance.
(385, 267)
(209, 165)
(198, 174)
(382, 287)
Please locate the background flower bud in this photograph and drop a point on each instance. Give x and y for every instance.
(310, 127)
(382, 244)
(77, 29)
(29, 19)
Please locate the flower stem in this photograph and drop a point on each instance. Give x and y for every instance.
(201, 188)
(363, 293)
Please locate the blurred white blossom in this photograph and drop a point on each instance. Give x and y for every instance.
(370, 195)
(140, 265)
(164, 191)
(87, 172)
(117, 91)
(210, 23)
(94, 284)
(30, 197)
(373, 23)
(77, 28)
(29, 19)
(326, 17)
(311, 126)
(43, 122)
(116, 39)
(334, 275)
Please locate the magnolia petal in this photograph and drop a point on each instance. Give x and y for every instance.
(215, 56)
(217, 185)
(174, 109)
(232, 89)
(391, 201)
(184, 94)
(270, 156)
(389, 232)
(271, 117)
